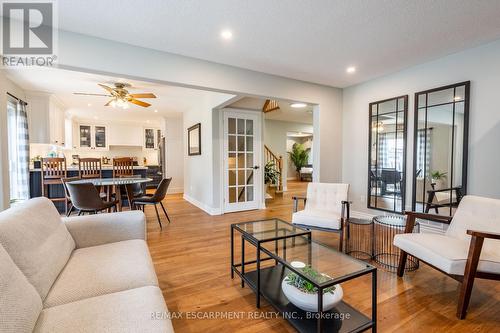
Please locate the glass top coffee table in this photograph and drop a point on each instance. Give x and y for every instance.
(282, 248)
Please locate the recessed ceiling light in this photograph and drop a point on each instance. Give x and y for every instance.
(156, 111)
(89, 104)
(351, 69)
(226, 34)
(298, 105)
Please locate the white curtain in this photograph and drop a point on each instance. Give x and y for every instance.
(18, 150)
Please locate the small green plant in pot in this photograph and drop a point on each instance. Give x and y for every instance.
(304, 294)
(271, 174)
(438, 178)
(299, 157)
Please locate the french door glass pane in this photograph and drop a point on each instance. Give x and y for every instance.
(241, 126)
(232, 126)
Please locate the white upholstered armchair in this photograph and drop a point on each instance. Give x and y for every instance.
(325, 208)
(469, 249)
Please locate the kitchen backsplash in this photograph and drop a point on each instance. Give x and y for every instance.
(114, 151)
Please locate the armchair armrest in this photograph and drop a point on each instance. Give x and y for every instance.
(296, 202)
(484, 234)
(346, 208)
(99, 229)
(412, 216)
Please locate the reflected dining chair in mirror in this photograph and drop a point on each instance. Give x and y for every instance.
(387, 154)
(441, 146)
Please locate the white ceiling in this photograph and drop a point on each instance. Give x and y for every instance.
(170, 102)
(307, 40)
(284, 113)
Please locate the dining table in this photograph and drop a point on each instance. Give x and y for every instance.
(117, 184)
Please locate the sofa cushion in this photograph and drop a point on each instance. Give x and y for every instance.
(37, 241)
(136, 310)
(20, 303)
(101, 270)
(317, 218)
(449, 254)
(480, 214)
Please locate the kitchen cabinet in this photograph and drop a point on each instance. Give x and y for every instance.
(46, 119)
(93, 137)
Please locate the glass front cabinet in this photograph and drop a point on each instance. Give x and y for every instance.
(93, 137)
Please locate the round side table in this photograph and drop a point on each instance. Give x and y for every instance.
(385, 227)
(359, 238)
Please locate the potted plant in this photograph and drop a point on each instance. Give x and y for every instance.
(304, 295)
(299, 157)
(271, 174)
(438, 178)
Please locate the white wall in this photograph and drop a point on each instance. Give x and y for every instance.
(199, 170)
(174, 134)
(275, 138)
(479, 65)
(6, 86)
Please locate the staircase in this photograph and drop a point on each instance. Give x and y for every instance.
(278, 162)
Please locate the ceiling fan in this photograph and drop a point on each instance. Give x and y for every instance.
(120, 97)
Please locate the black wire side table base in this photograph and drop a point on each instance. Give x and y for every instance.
(385, 227)
(359, 235)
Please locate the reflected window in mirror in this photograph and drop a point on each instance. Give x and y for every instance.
(387, 154)
(441, 145)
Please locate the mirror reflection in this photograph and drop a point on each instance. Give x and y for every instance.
(386, 186)
(440, 162)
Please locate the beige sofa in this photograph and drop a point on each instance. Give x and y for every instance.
(77, 274)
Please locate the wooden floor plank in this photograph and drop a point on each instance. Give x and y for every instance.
(192, 258)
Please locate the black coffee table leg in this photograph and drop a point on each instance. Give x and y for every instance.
(258, 276)
(242, 262)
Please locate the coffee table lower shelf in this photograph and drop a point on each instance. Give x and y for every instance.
(343, 318)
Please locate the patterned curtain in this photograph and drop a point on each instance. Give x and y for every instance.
(18, 150)
(383, 154)
(423, 152)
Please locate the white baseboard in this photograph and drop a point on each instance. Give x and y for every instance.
(207, 209)
(174, 190)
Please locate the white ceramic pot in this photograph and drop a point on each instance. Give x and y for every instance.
(309, 302)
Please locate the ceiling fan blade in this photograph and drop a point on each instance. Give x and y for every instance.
(138, 102)
(145, 95)
(108, 103)
(86, 94)
(111, 91)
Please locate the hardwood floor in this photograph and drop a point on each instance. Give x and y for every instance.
(192, 259)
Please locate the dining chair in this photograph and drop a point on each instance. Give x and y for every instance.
(155, 199)
(131, 191)
(53, 170)
(89, 168)
(69, 204)
(123, 166)
(85, 198)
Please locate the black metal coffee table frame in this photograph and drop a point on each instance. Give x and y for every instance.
(274, 275)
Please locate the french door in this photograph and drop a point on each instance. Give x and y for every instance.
(242, 161)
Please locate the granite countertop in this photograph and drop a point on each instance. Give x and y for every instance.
(104, 167)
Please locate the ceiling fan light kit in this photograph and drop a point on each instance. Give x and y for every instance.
(121, 97)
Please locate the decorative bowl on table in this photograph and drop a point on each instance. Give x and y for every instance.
(304, 295)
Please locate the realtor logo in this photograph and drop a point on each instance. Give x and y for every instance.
(28, 33)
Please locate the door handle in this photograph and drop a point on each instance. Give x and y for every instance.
(256, 167)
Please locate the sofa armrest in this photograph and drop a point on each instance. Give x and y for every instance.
(98, 229)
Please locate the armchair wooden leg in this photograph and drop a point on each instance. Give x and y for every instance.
(402, 263)
(341, 239)
(476, 244)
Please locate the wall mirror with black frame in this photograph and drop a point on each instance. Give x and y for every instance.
(387, 154)
(440, 148)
